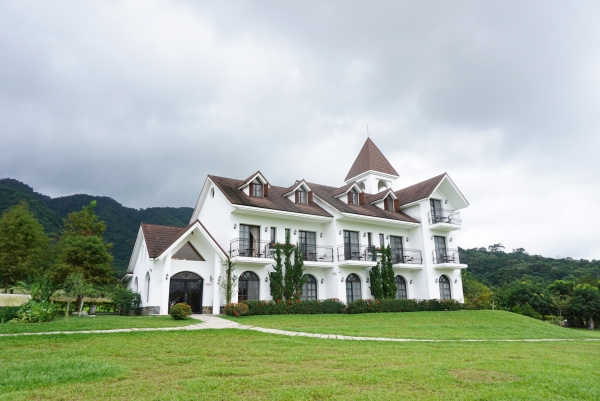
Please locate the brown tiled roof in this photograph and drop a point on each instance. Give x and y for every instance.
(247, 180)
(370, 158)
(327, 194)
(159, 238)
(421, 190)
(275, 200)
(341, 190)
(378, 196)
(292, 187)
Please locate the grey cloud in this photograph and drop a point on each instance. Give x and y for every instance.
(140, 101)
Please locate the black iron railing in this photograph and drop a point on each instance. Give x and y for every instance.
(355, 252)
(407, 256)
(447, 256)
(316, 253)
(445, 216)
(249, 249)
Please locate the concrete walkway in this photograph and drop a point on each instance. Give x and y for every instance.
(215, 322)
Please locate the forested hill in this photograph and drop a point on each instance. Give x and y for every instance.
(122, 223)
(494, 266)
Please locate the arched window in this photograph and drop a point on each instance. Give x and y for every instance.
(381, 185)
(248, 287)
(186, 287)
(445, 288)
(147, 287)
(401, 288)
(309, 289)
(135, 285)
(353, 291)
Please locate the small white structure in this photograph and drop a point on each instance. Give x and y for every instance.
(337, 229)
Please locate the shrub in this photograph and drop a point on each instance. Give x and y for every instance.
(8, 313)
(126, 300)
(401, 305)
(180, 311)
(239, 309)
(35, 312)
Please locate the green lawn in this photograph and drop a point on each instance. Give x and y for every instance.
(248, 365)
(102, 322)
(485, 324)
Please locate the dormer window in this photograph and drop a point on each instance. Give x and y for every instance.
(353, 197)
(389, 203)
(256, 189)
(302, 196)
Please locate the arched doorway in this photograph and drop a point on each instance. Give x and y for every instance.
(445, 288)
(353, 290)
(248, 287)
(186, 287)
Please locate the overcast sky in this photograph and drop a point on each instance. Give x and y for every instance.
(139, 101)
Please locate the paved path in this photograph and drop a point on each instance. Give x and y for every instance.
(215, 322)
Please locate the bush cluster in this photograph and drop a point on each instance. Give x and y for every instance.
(180, 311)
(8, 313)
(401, 305)
(329, 306)
(239, 309)
(35, 312)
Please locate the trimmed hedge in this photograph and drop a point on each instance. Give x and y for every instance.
(401, 305)
(329, 306)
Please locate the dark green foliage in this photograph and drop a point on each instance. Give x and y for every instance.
(375, 278)
(180, 311)
(8, 313)
(298, 276)
(585, 303)
(288, 273)
(82, 248)
(122, 222)
(522, 294)
(388, 277)
(401, 305)
(495, 268)
(276, 276)
(24, 247)
(290, 307)
(127, 301)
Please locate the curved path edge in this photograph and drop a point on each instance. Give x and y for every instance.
(214, 322)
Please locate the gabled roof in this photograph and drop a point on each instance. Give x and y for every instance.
(370, 158)
(289, 190)
(248, 180)
(327, 195)
(381, 196)
(275, 200)
(159, 238)
(421, 190)
(346, 188)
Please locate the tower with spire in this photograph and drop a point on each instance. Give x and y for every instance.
(372, 170)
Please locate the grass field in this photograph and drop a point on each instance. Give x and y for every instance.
(485, 324)
(102, 322)
(242, 365)
(248, 365)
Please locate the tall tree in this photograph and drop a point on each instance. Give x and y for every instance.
(276, 276)
(298, 276)
(376, 286)
(388, 279)
(288, 283)
(24, 247)
(82, 249)
(586, 303)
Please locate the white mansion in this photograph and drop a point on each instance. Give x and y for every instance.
(335, 227)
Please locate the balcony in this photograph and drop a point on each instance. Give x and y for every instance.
(317, 255)
(410, 259)
(447, 259)
(356, 255)
(445, 220)
(245, 250)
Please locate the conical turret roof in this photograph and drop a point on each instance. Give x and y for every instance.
(370, 158)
